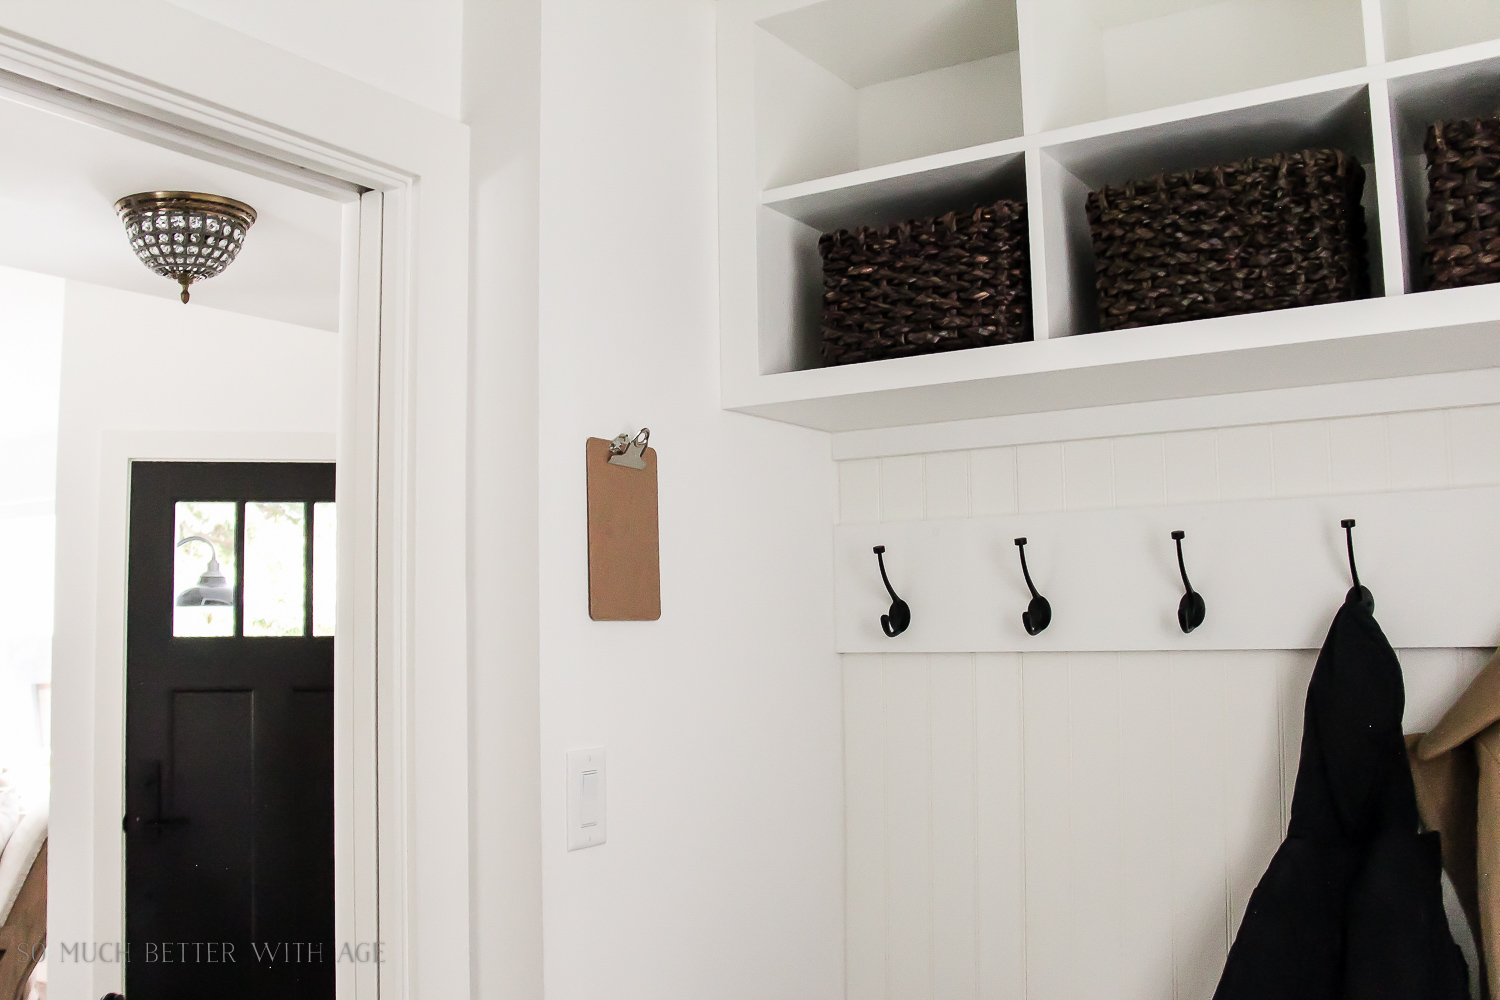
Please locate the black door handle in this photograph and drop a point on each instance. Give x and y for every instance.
(149, 785)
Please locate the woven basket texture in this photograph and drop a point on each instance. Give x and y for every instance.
(1251, 236)
(1463, 203)
(961, 280)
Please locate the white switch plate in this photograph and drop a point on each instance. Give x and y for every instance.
(586, 826)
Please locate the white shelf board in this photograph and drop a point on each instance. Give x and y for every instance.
(929, 186)
(1461, 56)
(1341, 342)
(1205, 108)
(908, 173)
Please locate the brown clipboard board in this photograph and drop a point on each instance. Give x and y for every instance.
(624, 555)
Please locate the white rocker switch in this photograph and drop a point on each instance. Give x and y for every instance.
(586, 825)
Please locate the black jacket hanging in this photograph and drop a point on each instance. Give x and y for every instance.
(1351, 906)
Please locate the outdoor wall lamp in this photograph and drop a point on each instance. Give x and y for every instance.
(213, 587)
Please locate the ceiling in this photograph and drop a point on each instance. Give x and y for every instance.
(60, 178)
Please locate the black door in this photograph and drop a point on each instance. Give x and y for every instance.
(229, 732)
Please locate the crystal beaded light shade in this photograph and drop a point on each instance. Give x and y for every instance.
(183, 235)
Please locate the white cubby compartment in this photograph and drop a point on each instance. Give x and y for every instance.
(846, 84)
(845, 113)
(1094, 59)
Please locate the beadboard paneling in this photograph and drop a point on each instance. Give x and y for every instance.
(1071, 825)
(1428, 449)
(1060, 825)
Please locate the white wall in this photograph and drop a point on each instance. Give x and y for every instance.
(144, 377)
(1056, 825)
(31, 310)
(942, 109)
(722, 876)
(410, 48)
(1148, 63)
(502, 67)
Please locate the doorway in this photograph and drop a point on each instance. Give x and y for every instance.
(400, 437)
(229, 740)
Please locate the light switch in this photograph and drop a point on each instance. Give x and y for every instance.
(586, 826)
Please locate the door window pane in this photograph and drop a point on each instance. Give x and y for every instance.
(203, 569)
(275, 568)
(325, 567)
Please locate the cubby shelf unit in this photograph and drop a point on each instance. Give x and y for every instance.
(863, 112)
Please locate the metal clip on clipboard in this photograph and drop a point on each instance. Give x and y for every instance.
(630, 452)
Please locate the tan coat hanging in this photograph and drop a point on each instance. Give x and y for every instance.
(1456, 768)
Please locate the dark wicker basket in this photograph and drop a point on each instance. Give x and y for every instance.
(1242, 237)
(1463, 203)
(929, 285)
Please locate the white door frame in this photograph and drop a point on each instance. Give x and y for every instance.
(401, 734)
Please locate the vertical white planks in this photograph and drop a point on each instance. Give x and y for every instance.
(1000, 873)
(1197, 776)
(1140, 465)
(1252, 759)
(901, 488)
(948, 484)
(908, 825)
(1039, 477)
(1145, 828)
(1192, 467)
(1071, 826)
(1062, 826)
(1088, 474)
(1301, 460)
(1044, 713)
(1245, 463)
(933, 788)
(1294, 671)
(859, 491)
(1094, 814)
(1359, 455)
(955, 903)
(1474, 433)
(864, 827)
(1418, 446)
(992, 481)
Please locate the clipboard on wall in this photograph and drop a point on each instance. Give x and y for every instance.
(624, 554)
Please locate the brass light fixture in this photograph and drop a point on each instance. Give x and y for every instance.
(184, 235)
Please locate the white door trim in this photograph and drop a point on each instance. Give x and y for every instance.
(401, 773)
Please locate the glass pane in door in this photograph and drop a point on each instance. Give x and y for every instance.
(203, 569)
(325, 567)
(275, 568)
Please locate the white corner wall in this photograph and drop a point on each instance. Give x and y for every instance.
(143, 377)
(502, 79)
(722, 875)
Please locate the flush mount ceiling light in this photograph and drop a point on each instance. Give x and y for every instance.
(184, 235)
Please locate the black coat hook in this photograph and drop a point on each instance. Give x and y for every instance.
(1038, 614)
(1357, 595)
(895, 623)
(1190, 610)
